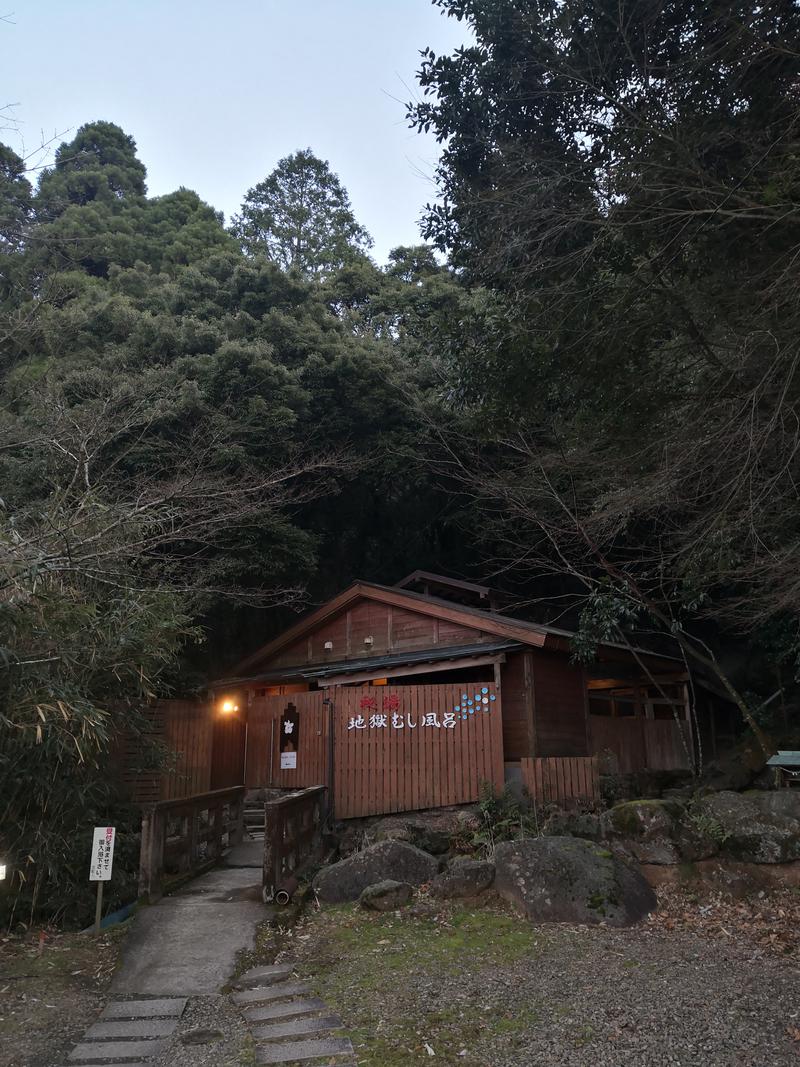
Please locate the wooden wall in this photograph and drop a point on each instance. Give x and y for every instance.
(560, 719)
(518, 709)
(385, 769)
(206, 751)
(392, 630)
(641, 744)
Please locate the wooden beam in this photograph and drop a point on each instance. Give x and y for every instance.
(404, 672)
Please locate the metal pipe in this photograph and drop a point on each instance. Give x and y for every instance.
(286, 891)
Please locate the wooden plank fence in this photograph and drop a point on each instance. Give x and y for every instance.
(637, 743)
(400, 748)
(205, 752)
(562, 780)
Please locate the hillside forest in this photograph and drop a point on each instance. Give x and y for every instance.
(582, 386)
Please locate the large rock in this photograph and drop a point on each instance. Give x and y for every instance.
(566, 879)
(574, 824)
(646, 827)
(432, 831)
(755, 827)
(394, 860)
(463, 878)
(386, 896)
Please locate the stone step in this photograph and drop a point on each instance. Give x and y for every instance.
(119, 1028)
(170, 1007)
(278, 991)
(286, 1009)
(309, 1024)
(258, 976)
(290, 1051)
(102, 1051)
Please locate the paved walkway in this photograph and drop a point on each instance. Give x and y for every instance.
(184, 948)
(187, 944)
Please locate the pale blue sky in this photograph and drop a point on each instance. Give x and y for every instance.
(216, 93)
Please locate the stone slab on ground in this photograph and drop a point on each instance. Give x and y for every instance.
(132, 1028)
(145, 1009)
(263, 975)
(101, 1051)
(290, 1051)
(285, 1010)
(188, 943)
(310, 1024)
(280, 990)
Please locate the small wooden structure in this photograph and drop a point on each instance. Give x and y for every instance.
(419, 695)
(787, 767)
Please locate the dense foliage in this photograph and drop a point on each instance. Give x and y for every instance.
(188, 433)
(622, 182)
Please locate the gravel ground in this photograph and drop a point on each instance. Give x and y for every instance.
(481, 988)
(211, 1033)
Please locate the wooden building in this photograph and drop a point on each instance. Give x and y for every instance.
(412, 696)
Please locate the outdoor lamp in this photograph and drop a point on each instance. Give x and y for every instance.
(228, 706)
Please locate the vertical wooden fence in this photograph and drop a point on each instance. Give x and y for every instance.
(563, 780)
(398, 748)
(204, 750)
(638, 743)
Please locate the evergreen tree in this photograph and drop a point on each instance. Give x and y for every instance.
(300, 217)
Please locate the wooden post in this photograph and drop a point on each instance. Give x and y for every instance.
(98, 911)
(148, 854)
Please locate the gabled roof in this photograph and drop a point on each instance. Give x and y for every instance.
(444, 654)
(489, 622)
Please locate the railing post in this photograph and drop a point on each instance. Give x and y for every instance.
(236, 829)
(151, 856)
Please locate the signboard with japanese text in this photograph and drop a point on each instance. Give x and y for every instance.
(102, 854)
(289, 738)
(389, 748)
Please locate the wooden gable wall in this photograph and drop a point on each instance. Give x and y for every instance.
(392, 630)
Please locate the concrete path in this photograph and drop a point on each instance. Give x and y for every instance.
(187, 944)
(184, 948)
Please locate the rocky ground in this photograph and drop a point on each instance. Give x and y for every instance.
(707, 980)
(52, 986)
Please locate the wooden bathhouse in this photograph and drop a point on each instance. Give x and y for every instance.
(412, 696)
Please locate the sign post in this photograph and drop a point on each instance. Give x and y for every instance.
(100, 866)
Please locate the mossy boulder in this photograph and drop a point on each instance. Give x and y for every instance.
(574, 824)
(393, 860)
(464, 877)
(566, 879)
(755, 827)
(387, 895)
(648, 828)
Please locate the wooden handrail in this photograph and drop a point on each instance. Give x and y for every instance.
(180, 802)
(195, 846)
(292, 837)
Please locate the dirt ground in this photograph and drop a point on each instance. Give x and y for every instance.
(51, 988)
(707, 981)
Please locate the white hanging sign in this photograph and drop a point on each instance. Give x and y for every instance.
(288, 761)
(102, 854)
